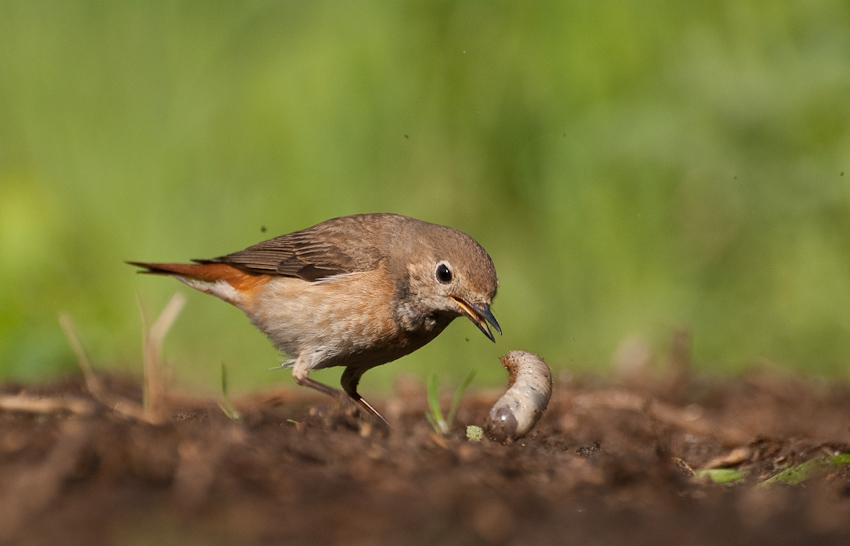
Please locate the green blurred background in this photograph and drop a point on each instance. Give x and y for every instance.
(633, 168)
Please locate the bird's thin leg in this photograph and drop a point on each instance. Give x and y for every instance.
(321, 387)
(300, 372)
(349, 380)
(368, 407)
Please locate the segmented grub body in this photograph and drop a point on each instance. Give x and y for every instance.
(528, 394)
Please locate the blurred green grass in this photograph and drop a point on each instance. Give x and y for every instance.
(633, 168)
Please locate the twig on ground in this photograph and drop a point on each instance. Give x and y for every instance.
(45, 404)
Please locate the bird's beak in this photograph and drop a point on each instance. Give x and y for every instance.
(480, 315)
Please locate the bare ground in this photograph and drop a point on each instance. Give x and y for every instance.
(607, 464)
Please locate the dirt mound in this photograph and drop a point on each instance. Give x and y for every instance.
(607, 464)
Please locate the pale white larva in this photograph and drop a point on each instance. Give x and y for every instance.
(529, 390)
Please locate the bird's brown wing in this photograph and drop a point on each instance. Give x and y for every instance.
(331, 248)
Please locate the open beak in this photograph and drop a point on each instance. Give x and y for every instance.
(480, 315)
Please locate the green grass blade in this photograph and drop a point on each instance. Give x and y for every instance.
(724, 476)
(458, 393)
(435, 416)
(224, 379)
(807, 470)
(225, 405)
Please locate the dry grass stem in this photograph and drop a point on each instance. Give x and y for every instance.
(92, 382)
(117, 403)
(154, 383)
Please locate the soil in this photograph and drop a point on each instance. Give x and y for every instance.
(609, 463)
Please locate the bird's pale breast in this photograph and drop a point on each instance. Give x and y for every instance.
(345, 319)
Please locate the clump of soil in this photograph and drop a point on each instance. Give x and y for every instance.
(607, 464)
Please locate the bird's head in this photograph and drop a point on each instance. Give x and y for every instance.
(449, 274)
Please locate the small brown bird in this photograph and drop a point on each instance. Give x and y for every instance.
(356, 291)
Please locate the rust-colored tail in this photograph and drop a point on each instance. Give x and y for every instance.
(206, 272)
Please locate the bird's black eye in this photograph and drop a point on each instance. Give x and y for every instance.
(444, 274)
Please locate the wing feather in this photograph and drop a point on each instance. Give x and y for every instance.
(315, 253)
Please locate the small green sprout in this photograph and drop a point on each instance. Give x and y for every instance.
(790, 476)
(807, 470)
(225, 405)
(723, 476)
(442, 426)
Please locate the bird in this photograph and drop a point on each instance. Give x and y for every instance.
(354, 291)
